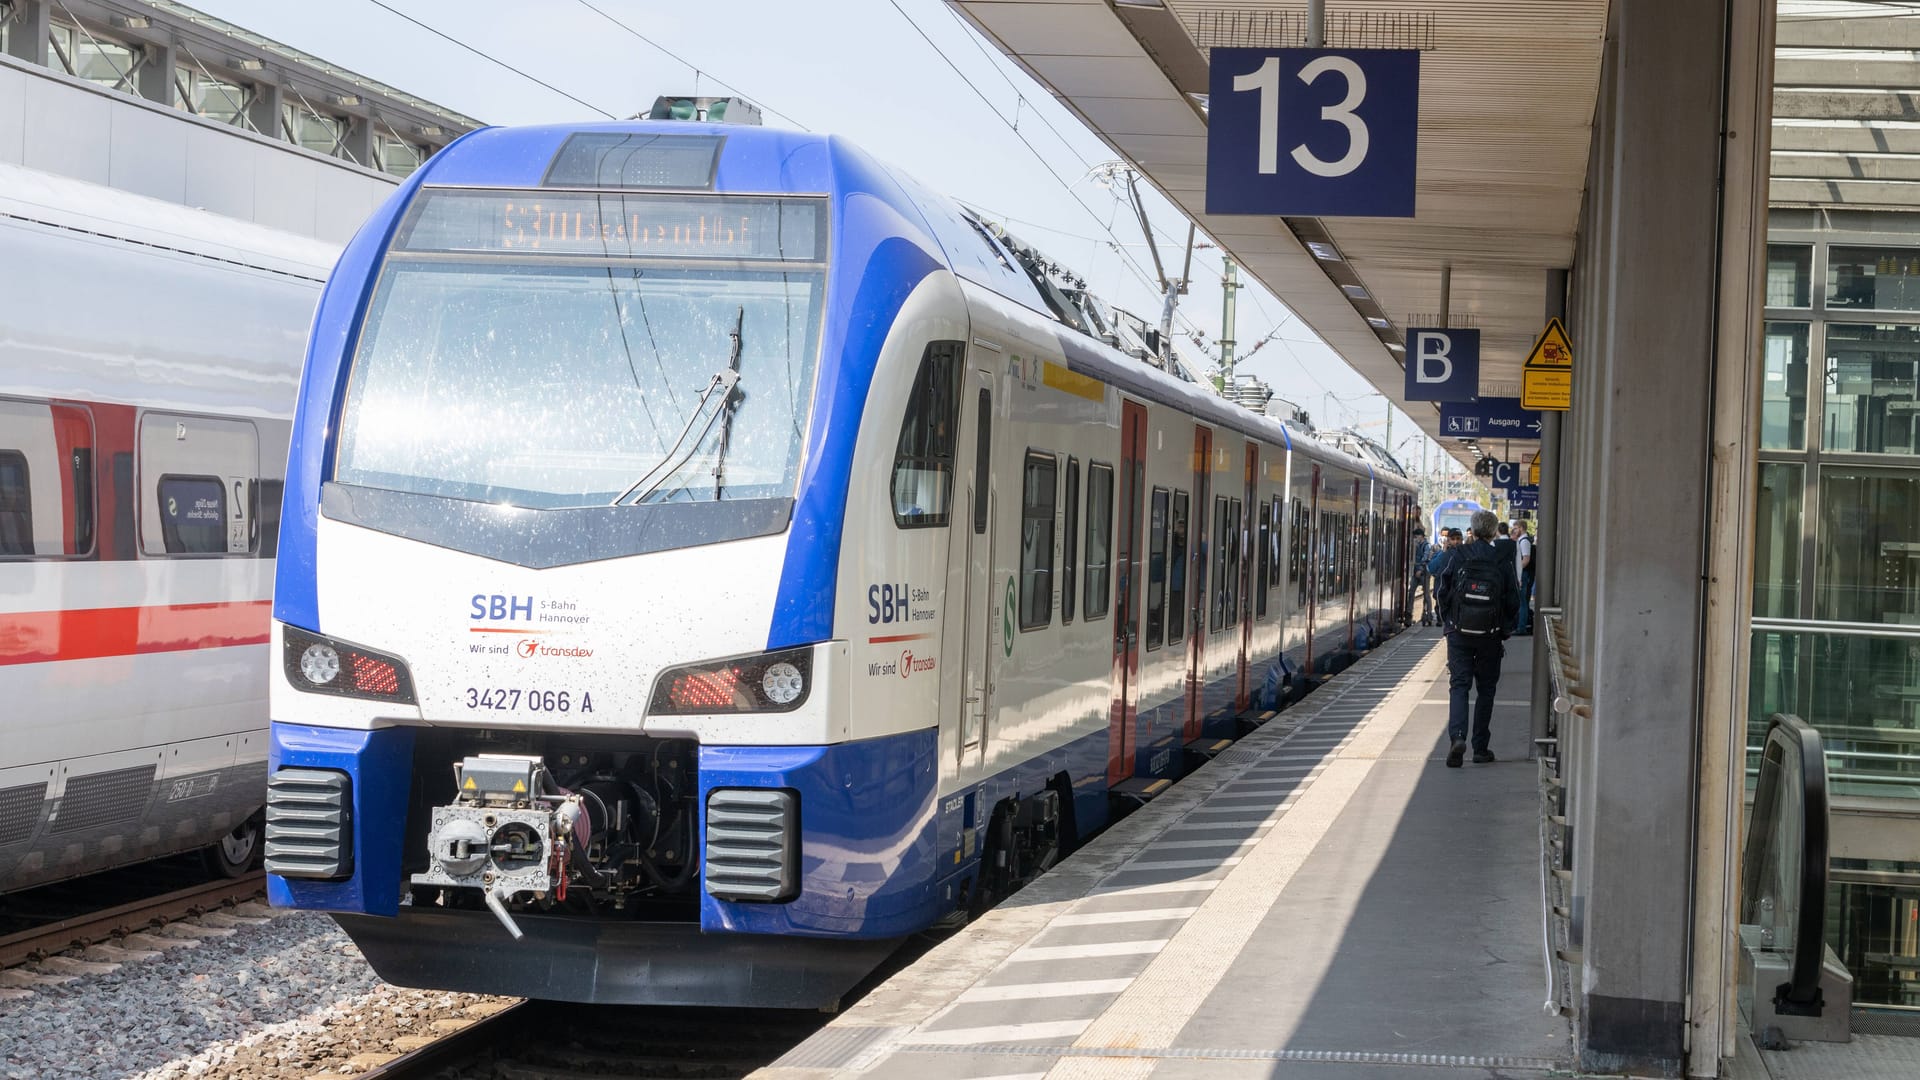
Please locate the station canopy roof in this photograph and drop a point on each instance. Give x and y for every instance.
(1507, 95)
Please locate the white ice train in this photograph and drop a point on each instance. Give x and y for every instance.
(149, 355)
(708, 557)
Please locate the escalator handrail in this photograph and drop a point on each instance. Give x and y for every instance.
(1800, 743)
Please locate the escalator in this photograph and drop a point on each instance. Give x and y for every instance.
(1792, 986)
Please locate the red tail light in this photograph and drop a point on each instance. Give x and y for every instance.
(713, 690)
(371, 676)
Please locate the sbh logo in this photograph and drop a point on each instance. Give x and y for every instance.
(496, 608)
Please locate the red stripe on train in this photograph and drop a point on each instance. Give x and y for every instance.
(34, 637)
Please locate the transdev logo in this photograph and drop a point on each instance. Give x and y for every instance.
(530, 649)
(910, 663)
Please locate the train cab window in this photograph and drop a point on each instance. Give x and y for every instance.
(1070, 542)
(16, 504)
(982, 459)
(1099, 568)
(193, 514)
(1262, 562)
(923, 458)
(1036, 541)
(1177, 568)
(1157, 569)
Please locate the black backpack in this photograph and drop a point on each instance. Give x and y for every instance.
(1478, 594)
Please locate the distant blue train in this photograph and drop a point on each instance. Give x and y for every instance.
(1454, 514)
(708, 557)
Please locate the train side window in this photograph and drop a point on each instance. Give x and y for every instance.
(16, 504)
(1262, 561)
(1177, 568)
(193, 514)
(268, 517)
(1217, 612)
(81, 464)
(982, 459)
(1157, 569)
(1099, 564)
(1231, 609)
(923, 457)
(1036, 541)
(1071, 540)
(198, 479)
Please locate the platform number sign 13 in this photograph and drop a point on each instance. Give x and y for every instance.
(1313, 132)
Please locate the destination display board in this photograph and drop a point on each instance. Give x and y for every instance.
(620, 224)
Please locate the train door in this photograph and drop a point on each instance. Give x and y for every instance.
(976, 546)
(1354, 556)
(1314, 568)
(1245, 591)
(1126, 623)
(1199, 564)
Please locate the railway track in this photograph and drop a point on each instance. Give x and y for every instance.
(544, 1040)
(102, 926)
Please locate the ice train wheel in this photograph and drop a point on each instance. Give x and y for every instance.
(238, 851)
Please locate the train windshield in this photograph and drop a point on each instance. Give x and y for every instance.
(555, 350)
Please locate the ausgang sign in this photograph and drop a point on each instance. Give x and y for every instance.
(1312, 132)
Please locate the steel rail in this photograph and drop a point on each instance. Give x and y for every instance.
(451, 1049)
(151, 913)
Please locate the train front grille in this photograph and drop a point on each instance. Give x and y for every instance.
(310, 824)
(753, 845)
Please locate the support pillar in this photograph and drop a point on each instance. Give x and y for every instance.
(1644, 408)
(27, 37)
(1547, 541)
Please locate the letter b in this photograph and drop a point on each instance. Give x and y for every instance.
(1431, 350)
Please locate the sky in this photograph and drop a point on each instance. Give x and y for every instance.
(907, 80)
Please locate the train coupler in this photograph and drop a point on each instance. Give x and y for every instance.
(510, 832)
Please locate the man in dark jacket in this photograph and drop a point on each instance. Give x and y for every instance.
(1474, 651)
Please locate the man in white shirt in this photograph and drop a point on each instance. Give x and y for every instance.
(1524, 545)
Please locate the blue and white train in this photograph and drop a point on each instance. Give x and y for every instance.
(708, 556)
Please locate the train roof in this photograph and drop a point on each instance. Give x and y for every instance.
(771, 161)
(81, 207)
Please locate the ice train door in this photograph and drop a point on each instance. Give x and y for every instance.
(1123, 712)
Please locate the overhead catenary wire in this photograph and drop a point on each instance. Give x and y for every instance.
(1065, 185)
(698, 71)
(488, 57)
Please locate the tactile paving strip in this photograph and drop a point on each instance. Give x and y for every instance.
(1321, 1057)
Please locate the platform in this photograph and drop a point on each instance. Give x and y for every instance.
(1326, 900)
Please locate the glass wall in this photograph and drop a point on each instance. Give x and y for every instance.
(1836, 598)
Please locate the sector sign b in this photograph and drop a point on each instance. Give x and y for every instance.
(1312, 132)
(1443, 364)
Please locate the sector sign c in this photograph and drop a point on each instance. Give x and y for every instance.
(1312, 132)
(1442, 364)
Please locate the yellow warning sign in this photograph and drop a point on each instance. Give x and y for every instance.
(1533, 471)
(470, 785)
(519, 787)
(1546, 382)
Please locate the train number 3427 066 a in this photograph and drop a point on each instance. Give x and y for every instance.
(532, 700)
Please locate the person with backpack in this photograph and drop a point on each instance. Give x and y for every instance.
(1479, 600)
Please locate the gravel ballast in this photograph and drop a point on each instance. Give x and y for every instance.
(285, 997)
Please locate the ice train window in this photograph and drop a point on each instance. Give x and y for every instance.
(16, 504)
(193, 514)
(1177, 569)
(1099, 569)
(1036, 541)
(1071, 540)
(923, 458)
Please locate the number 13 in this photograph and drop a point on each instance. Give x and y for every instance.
(1266, 79)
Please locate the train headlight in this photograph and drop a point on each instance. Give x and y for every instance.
(768, 682)
(320, 663)
(783, 684)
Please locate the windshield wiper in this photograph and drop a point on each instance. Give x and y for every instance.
(722, 384)
(726, 408)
